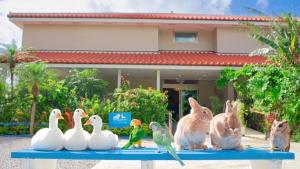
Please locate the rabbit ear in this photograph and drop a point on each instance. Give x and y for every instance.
(284, 122)
(228, 107)
(228, 104)
(194, 104)
(235, 108)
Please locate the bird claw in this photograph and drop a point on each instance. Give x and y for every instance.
(159, 150)
(138, 146)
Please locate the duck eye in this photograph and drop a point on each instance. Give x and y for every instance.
(280, 125)
(94, 117)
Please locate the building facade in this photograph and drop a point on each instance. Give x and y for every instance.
(182, 54)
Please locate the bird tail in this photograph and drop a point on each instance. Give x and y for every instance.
(172, 151)
(126, 146)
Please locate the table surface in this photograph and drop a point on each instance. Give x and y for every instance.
(151, 154)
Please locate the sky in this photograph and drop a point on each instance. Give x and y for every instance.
(9, 32)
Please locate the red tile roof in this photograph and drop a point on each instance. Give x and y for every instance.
(168, 16)
(183, 58)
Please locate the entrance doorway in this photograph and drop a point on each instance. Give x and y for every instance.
(178, 99)
(173, 102)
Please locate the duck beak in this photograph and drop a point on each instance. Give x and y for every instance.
(84, 115)
(59, 116)
(89, 122)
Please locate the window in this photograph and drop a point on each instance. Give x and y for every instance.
(189, 37)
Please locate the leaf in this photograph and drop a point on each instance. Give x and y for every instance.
(265, 40)
(262, 52)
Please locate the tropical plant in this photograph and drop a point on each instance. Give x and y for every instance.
(11, 55)
(282, 40)
(55, 94)
(2, 98)
(33, 75)
(2, 90)
(86, 83)
(274, 87)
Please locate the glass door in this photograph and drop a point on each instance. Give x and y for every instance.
(178, 95)
(173, 102)
(184, 103)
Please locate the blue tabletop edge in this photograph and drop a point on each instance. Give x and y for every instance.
(151, 154)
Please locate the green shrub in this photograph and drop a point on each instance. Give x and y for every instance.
(98, 107)
(255, 121)
(296, 137)
(144, 104)
(13, 130)
(85, 83)
(215, 104)
(242, 112)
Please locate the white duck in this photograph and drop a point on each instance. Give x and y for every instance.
(100, 140)
(77, 138)
(50, 138)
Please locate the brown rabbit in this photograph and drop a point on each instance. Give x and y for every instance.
(225, 129)
(280, 136)
(192, 128)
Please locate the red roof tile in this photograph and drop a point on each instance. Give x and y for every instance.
(184, 58)
(169, 16)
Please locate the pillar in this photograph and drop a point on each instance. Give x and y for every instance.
(119, 78)
(158, 79)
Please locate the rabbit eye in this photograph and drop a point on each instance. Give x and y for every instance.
(94, 117)
(280, 125)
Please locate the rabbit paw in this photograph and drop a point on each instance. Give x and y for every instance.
(202, 147)
(179, 147)
(217, 147)
(239, 148)
(191, 148)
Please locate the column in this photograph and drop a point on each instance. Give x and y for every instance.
(158, 79)
(119, 78)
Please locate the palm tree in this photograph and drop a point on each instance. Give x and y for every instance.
(33, 74)
(11, 55)
(282, 40)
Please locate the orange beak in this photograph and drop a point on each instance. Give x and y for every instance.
(89, 122)
(59, 116)
(84, 115)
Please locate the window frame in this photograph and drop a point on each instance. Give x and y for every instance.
(187, 42)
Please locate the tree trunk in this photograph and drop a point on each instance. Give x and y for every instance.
(35, 93)
(32, 117)
(11, 84)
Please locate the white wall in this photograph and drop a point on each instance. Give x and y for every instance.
(233, 40)
(91, 37)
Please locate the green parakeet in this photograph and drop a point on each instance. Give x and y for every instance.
(136, 135)
(162, 139)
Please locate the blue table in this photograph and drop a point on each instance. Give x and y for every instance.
(259, 157)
